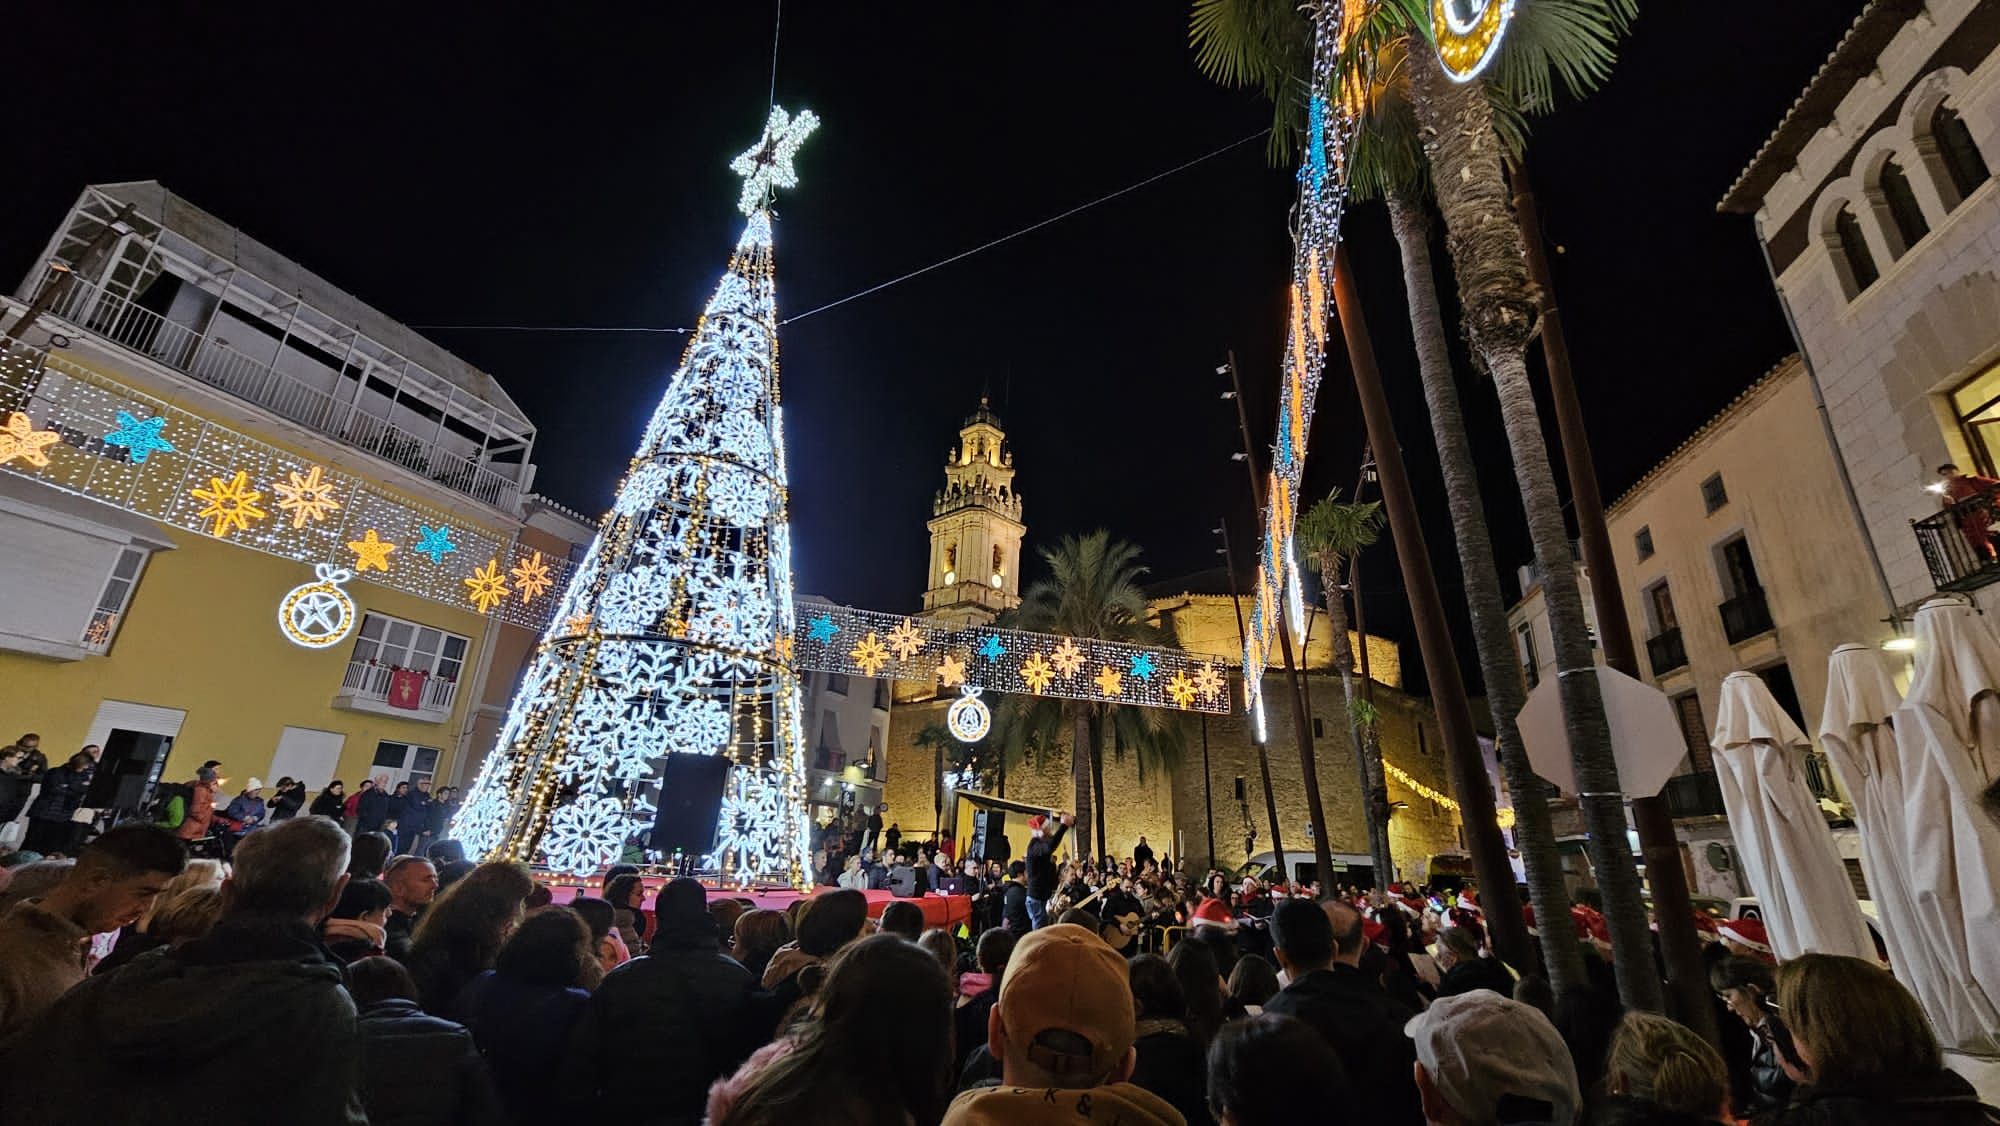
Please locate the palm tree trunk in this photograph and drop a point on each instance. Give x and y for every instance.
(1079, 775)
(1097, 781)
(1308, 764)
(1499, 665)
(1367, 752)
(1498, 307)
(1467, 763)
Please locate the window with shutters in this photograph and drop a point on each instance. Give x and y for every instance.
(1694, 731)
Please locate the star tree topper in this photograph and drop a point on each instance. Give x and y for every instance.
(768, 164)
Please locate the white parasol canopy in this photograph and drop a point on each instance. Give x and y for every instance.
(1857, 734)
(1787, 852)
(1947, 732)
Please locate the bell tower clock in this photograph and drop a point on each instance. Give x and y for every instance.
(976, 529)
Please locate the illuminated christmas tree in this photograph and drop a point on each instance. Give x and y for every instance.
(676, 632)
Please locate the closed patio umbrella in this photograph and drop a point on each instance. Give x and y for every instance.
(1787, 852)
(1947, 732)
(1859, 738)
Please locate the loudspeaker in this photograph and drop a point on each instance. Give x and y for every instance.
(690, 801)
(132, 762)
(989, 834)
(903, 881)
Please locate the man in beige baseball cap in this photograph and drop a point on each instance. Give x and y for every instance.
(1063, 1032)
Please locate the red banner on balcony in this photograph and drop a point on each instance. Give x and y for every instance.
(406, 689)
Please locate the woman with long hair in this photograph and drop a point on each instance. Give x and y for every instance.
(1865, 1052)
(331, 802)
(460, 934)
(831, 1068)
(1749, 990)
(1170, 1059)
(521, 1011)
(627, 894)
(1201, 984)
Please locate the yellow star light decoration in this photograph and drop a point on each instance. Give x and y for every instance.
(1109, 681)
(232, 504)
(371, 552)
(1181, 689)
(307, 497)
(487, 587)
(19, 438)
(905, 641)
(1207, 681)
(951, 671)
(870, 654)
(1036, 672)
(531, 578)
(1067, 658)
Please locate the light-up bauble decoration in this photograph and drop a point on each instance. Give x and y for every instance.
(969, 719)
(318, 614)
(1468, 34)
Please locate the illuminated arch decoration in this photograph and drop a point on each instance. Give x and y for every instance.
(676, 633)
(1468, 34)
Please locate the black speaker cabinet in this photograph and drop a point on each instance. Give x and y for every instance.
(132, 762)
(690, 801)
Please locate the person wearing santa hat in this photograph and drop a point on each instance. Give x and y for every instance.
(1746, 938)
(1042, 878)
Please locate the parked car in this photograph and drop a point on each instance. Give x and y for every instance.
(1348, 868)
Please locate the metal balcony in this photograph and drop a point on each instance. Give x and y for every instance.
(218, 365)
(365, 688)
(1957, 543)
(1666, 652)
(1745, 616)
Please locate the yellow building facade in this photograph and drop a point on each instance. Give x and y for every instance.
(144, 615)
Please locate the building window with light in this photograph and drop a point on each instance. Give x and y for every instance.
(1976, 404)
(113, 599)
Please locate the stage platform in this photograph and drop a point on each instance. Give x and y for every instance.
(939, 910)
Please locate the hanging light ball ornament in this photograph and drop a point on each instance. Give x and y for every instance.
(318, 614)
(969, 718)
(1468, 34)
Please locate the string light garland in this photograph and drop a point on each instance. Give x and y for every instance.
(122, 447)
(851, 641)
(1322, 177)
(678, 630)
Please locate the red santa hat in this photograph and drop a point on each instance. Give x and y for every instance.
(1212, 913)
(1746, 932)
(1036, 822)
(1372, 932)
(1590, 926)
(1704, 925)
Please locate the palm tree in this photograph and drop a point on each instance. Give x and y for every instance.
(1332, 533)
(1092, 593)
(1387, 83)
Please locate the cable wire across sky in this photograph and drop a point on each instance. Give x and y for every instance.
(900, 278)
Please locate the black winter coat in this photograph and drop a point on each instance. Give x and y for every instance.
(661, 1028)
(1476, 973)
(371, 811)
(1940, 1099)
(522, 1029)
(62, 792)
(1365, 1027)
(1173, 1066)
(329, 804)
(418, 1070)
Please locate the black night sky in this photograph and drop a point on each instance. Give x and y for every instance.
(515, 165)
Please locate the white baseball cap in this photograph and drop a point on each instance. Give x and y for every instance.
(1480, 1047)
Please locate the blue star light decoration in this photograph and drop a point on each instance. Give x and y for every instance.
(821, 629)
(141, 438)
(434, 542)
(991, 649)
(1142, 666)
(768, 164)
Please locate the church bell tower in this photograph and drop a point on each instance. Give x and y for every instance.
(976, 529)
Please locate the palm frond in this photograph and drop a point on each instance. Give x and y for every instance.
(1331, 529)
(1566, 44)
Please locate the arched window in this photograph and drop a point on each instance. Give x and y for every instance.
(1854, 249)
(1904, 210)
(1957, 150)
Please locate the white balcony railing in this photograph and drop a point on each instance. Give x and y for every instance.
(218, 365)
(369, 683)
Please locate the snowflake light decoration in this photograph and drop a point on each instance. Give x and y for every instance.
(904, 640)
(308, 496)
(1181, 689)
(1142, 666)
(1036, 672)
(231, 504)
(1067, 658)
(1207, 681)
(821, 629)
(586, 834)
(486, 588)
(531, 577)
(870, 654)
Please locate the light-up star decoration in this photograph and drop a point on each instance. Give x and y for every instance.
(140, 439)
(821, 629)
(768, 164)
(434, 542)
(1143, 666)
(19, 438)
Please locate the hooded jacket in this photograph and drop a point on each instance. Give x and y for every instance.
(175, 1030)
(1125, 1104)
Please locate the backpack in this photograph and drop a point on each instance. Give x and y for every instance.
(160, 805)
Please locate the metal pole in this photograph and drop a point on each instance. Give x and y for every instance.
(1207, 797)
(1263, 757)
(1673, 910)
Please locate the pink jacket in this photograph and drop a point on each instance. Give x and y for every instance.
(723, 1093)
